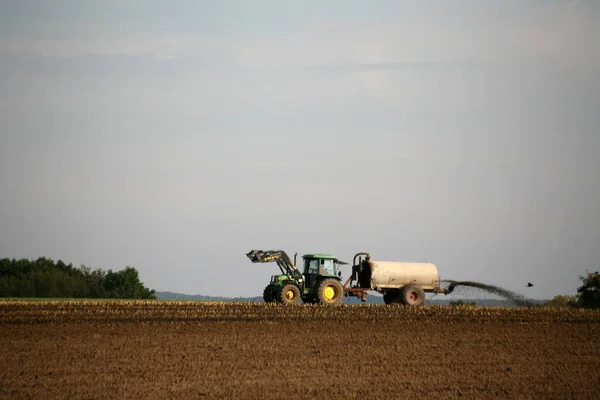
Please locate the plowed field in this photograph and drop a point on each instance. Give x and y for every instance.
(115, 350)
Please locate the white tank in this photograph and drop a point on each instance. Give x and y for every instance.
(396, 274)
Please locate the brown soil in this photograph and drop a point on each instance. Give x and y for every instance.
(84, 350)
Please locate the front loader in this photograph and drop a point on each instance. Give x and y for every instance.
(319, 283)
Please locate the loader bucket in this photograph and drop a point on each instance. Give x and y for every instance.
(255, 255)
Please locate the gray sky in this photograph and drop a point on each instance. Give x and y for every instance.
(177, 136)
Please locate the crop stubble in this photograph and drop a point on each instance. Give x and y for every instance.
(138, 349)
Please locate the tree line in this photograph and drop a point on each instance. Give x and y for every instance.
(45, 278)
(588, 294)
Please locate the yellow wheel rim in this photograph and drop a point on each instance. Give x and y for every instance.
(289, 295)
(329, 293)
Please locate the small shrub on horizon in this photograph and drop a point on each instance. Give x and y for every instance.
(562, 301)
(454, 303)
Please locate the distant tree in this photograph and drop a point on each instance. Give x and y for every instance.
(589, 292)
(94, 280)
(562, 301)
(125, 284)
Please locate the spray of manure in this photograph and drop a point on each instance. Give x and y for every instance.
(519, 300)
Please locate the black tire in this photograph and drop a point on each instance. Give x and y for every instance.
(268, 296)
(413, 295)
(289, 294)
(387, 299)
(330, 292)
(393, 297)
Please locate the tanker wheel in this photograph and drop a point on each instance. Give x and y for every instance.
(393, 297)
(413, 295)
(330, 292)
(387, 298)
(289, 294)
(268, 293)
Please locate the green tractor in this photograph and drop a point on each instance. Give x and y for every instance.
(320, 281)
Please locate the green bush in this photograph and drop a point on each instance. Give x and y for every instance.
(562, 301)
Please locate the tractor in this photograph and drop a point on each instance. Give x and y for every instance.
(320, 281)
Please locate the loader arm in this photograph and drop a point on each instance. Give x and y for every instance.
(280, 257)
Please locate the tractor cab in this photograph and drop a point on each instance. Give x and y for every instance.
(320, 264)
(317, 266)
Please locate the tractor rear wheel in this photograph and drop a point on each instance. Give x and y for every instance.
(330, 292)
(289, 294)
(268, 293)
(413, 295)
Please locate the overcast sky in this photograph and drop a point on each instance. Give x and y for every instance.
(176, 136)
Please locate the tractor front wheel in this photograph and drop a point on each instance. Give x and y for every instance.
(290, 294)
(330, 292)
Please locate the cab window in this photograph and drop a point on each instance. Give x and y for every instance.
(326, 267)
(311, 267)
(319, 267)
